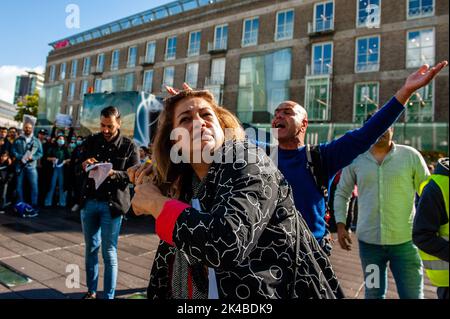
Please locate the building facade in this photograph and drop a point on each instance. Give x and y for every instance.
(340, 59)
(7, 113)
(27, 85)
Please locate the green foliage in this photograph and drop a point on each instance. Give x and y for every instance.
(30, 107)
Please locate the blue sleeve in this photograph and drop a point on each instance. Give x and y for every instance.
(14, 150)
(342, 151)
(39, 152)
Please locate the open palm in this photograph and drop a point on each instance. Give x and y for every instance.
(423, 76)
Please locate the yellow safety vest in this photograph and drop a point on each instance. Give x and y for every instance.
(437, 269)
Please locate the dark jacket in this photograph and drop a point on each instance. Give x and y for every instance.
(249, 232)
(430, 216)
(123, 154)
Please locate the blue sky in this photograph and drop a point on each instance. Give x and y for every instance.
(27, 26)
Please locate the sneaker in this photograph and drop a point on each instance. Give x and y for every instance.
(33, 212)
(75, 208)
(90, 295)
(2, 212)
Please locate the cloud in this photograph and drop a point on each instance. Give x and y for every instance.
(8, 75)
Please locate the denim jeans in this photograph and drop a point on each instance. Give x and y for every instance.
(404, 262)
(32, 176)
(100, 228)
(58, 176)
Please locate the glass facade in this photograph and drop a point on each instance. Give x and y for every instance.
(263, 84)
(118, 83)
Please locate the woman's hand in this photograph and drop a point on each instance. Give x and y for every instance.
(140, 173)
(173, 91)
(148, 200)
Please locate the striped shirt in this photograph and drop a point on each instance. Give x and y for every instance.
(386, 194)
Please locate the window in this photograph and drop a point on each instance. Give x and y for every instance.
(420, 48)
(171, 48)
(322, 58)
(71, 91)
(369, 13)
(366, 101)
(148, 81)
(100, 62)
(192, 74)
(221, 37)
(150, 52)
(420, 106)
(52, 72)
(323, 16)
(129, 82)
(263, 84)
(218, 71)
(250, 32)
(194, 43)
(86, 66)
(115, 60)
(98, 86)
(132, 56)
(317, 98)
(168, 77)
(367, 54)
(285, 25)
(62, 71)
(420, 8)
(84, 88)
(73, 69)
(70, 110)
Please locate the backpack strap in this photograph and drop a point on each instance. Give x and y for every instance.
(315, 167)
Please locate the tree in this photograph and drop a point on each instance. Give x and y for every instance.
(30, 106)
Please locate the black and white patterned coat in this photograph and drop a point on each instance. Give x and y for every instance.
(247, 232)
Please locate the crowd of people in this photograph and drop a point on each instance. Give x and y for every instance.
(42, 171)
(255, 226)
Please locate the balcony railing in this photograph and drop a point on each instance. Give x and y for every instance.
(170, 56)
(423, 11)
(319, 69)
(218, 46)
(215, 80)
(321, 26)
(96, 70)
(147, 60)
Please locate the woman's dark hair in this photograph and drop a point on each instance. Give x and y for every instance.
(110, 111)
